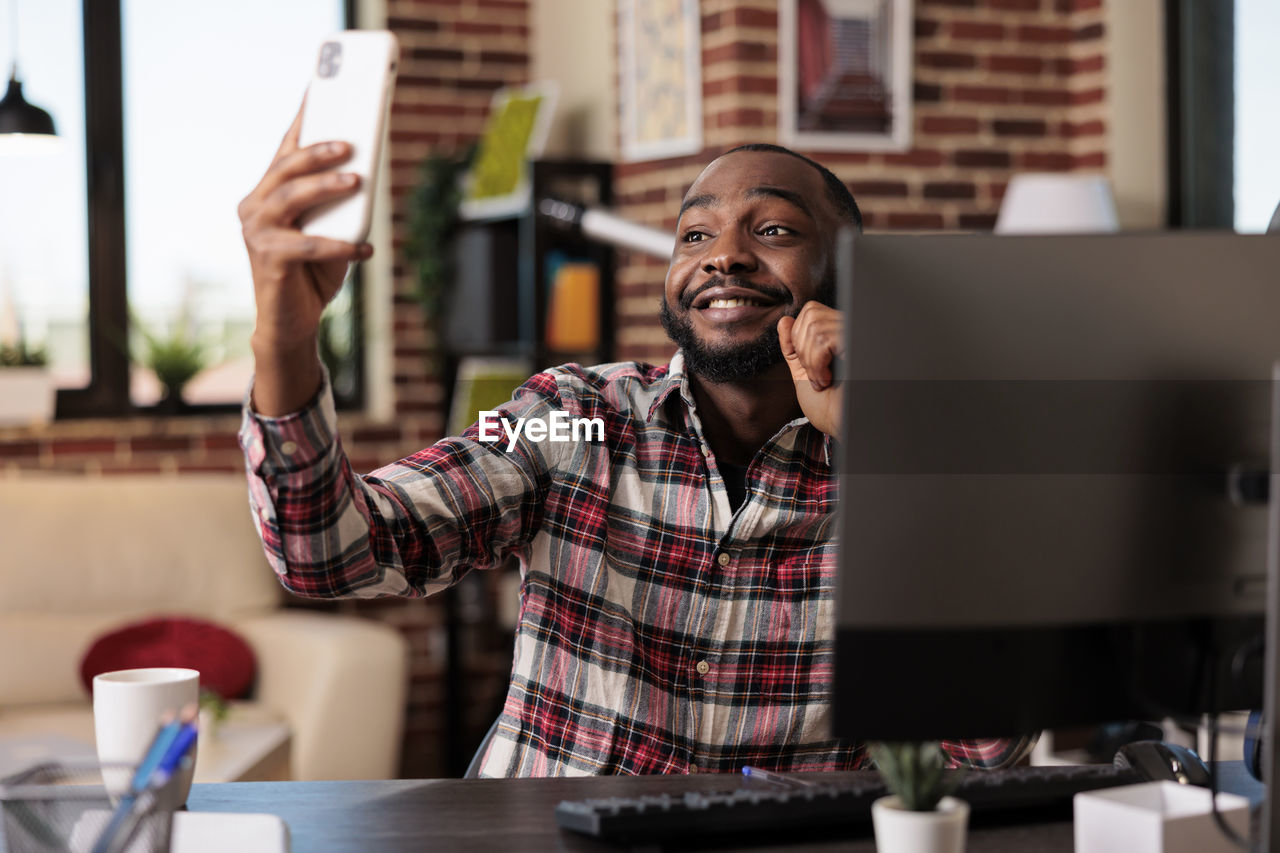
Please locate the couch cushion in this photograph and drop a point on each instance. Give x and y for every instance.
(224, 660)
(131, 545)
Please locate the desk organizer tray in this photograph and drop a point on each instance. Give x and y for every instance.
(65, 808)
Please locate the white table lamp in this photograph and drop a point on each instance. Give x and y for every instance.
(1057, 203)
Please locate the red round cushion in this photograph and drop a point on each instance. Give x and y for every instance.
(225, 661)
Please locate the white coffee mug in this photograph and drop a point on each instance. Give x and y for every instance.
(128, 706)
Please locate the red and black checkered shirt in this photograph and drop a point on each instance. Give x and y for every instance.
(659, 630)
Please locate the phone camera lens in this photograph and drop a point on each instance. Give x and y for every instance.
(330, 59)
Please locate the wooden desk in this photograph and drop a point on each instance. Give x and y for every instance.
(511, 815)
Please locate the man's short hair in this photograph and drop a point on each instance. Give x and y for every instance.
(837, 190)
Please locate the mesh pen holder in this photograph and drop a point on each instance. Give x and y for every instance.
(66, 808)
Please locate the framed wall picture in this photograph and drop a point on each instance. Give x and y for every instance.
(844, 74)
(660, 56)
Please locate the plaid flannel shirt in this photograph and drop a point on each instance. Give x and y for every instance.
(659, 631)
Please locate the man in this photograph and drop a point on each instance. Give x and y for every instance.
(676, 607)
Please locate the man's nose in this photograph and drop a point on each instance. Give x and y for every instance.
(731, 253)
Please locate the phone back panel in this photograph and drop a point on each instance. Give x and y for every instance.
(348, 99)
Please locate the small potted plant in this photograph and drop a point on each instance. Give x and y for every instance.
(27, 392)
(919, 816)
(174, 358)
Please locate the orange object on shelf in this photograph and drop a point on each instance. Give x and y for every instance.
(573, 316)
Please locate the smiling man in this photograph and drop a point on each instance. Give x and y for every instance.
(676, 597)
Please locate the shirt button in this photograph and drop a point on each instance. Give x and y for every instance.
(703, 667)
(706, 451)
(289, 448)
(724, 558)
(693, 768)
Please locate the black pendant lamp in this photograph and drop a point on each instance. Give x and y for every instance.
(16, 114)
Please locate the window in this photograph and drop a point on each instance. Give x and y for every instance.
(179, 107)
(1223, 125)
(1257, 72)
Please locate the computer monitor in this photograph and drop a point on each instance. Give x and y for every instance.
(1039, 523)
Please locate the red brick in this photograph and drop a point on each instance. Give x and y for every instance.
(743, 83)
(878, 189)
(762, 18)
(978, 221)
(743, 117)
(1091, 32)
(955, 4)
(1097, 127)
(504, 57)
(441, 54)
(1045, 97)
(949, 190)
(1045, 35)
(945, 59)
(1089, 96)
(740, 51)
(159, 442)
(1015, 5)
(926, 28)
(1068, 6)
(1092, 160)
(976, 30)
(1080, 66)
(14, 449)
(377, 434)
(926, 92)
(982, 158)
(712, 22)
(477, 28)
(983, 94)
(949, 124)
(81, 446)
(219, 441)
(915, 221)
(1019, 127)
(428, 109)
(1015, 64)
(1052, 161)
(513, 5)
(421, 25)
(918, 157)
(832, 159)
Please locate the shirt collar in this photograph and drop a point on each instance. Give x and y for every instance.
(676, 379)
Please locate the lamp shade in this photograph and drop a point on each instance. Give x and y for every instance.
(18, 116)
(1056, 203)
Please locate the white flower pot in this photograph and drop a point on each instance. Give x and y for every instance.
(27, 396)
(899, 830)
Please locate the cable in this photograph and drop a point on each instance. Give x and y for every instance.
(1225, 828)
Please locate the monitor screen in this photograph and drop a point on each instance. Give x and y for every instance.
(1044, 479)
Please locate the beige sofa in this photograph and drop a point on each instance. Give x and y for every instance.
(81, 555)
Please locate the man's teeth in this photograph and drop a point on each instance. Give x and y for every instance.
(732, 303)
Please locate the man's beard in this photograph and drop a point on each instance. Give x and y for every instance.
(736, 362)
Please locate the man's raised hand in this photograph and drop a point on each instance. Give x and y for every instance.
(295, 275)
(811, 341)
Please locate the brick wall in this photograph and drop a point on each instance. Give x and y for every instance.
(1001, 85)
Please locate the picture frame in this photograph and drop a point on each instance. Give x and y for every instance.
(660, 65)
(845, 74)
(498, 182)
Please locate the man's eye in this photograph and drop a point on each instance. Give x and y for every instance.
(775, 231)
(693, 236)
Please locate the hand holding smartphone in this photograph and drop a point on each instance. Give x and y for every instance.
(348, 100)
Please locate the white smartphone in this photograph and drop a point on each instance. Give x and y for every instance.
(348, 100)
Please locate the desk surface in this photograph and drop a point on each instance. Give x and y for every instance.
(518, 814)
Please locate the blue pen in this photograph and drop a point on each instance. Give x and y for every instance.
(166, 752)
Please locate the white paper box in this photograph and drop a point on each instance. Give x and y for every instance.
(1156, 817)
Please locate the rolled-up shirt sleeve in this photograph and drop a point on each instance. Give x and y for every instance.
(410, 528)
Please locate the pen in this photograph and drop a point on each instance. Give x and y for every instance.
(776, 778)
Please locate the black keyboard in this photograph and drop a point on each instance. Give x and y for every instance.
(1020, 793)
